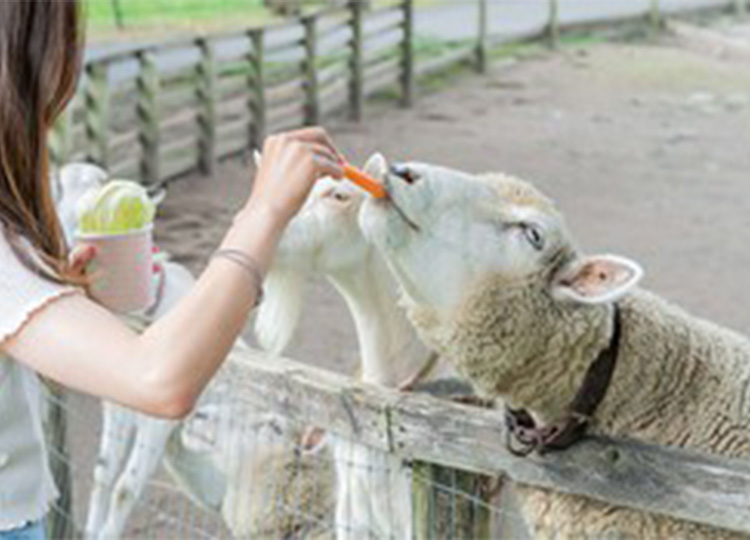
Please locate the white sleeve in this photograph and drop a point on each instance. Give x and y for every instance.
(23, 293)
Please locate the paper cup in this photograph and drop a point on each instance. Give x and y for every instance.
(122, 270)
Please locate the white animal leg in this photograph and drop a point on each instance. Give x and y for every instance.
(145, 457)
(117, 433)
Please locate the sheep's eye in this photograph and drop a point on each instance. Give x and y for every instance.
(341, 197)
(533, 235)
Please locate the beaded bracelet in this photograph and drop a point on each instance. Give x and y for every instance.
(249, 264)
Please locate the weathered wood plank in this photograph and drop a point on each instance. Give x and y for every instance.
(96, 104)
(408, 69)
(553, 25)
(333, 72)
(482, 33)
(707, 489)
(257, 89)
(356, 90)
(312, 105)
(206, 94)
(148, 117)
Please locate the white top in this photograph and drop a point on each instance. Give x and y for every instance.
(26, 486)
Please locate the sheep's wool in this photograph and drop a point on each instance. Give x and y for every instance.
(679, 381)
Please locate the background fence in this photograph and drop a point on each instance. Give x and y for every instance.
(154, 112)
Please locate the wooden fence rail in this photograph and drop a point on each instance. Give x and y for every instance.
(132, 95)
(703, 488)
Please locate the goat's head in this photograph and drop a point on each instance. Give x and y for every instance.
(480, 234)
(324, 239)
(69, 186)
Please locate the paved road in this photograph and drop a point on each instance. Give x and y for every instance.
(455, 21)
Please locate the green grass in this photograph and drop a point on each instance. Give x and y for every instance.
(101, 12)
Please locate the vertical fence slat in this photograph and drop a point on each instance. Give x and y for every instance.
(148, 117)
(482, 37)
(60, 522)
(655, 15)
(407, 75)
(553, 27)
(60, 142)
(356, 89)
(312, 108)
(206, 94)
(257, 88)
(96, 103)
(448, 503)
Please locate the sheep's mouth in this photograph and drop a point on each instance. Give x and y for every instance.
(391, 200)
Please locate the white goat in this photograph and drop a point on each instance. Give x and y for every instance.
(373, 498)
(493, 280)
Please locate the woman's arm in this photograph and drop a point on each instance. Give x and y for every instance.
(162, 371)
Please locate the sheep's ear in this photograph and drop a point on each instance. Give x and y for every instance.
(280, 310)
(599, 279)
(257, 157)
(376, 165)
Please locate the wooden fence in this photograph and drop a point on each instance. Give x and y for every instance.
(697, 487)
(158, 111)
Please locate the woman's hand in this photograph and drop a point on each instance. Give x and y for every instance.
(80, 257)
(290, 165)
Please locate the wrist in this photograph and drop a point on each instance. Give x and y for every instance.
(256, 230)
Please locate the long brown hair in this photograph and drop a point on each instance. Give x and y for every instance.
(40, 56)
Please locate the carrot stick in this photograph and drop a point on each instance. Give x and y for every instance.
(365, 181)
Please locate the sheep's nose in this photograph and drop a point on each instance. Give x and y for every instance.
(404, 173)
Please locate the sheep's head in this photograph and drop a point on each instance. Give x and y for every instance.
(477, 240)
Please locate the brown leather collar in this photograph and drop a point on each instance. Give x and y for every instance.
(561, 435)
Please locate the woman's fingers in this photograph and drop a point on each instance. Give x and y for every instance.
(318, 136)
(80, 257)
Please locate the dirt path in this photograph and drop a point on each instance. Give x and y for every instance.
(645, 147)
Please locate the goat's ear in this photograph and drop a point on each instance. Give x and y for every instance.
(257, 157)
(599, 279)
(280, 310)
(376, 165)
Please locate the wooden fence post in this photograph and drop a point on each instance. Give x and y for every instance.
(740, 8)
(553, 28)
(449, 503)
(482, 41)
(60, 522)
(60, 140)
(148, 117)
(312, 108)
(407, 81)
(257, 89)
(655, 15)
(206, 94)
(356, 88)
(96, 104)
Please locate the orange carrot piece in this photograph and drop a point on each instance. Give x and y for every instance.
(365, 181)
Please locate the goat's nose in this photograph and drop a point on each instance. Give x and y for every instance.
(404, 173)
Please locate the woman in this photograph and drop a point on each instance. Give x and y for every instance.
(47, 324)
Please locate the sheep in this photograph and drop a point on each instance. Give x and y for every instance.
(133, 444)
(373, 488)
(494, 281)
